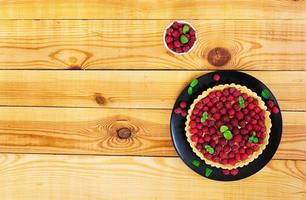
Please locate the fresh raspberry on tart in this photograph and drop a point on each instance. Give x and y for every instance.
(228, 126)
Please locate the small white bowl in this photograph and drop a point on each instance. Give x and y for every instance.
(165, 33)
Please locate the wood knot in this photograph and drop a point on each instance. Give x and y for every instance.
(218, 56)
(124, 133)
(99, 99)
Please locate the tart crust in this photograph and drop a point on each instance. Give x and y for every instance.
(251, 157)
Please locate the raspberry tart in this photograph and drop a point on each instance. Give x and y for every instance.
(228, 126)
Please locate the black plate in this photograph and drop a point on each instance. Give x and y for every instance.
(178, 125)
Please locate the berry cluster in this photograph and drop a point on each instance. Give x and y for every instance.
(181, 110)
(180, 37)
(234, 128)
(272, 108)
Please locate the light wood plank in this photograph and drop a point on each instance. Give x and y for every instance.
(94, 131)
(152, 9)
(138, 44)
(87, 177)
(127, 89)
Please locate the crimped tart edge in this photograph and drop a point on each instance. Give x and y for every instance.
(254, 155)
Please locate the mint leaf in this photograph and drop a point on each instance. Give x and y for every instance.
(266, 94)
(194, 83)
(189, 91)
(186, 29)
(223, 128)
(195, 163)
(208, 171)
(183, 39)
(228, 135)
(241, 102)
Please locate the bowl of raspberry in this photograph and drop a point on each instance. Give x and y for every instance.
(226, 125)
(180, 37)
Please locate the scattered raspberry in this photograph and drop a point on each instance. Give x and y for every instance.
(183, 104)
(234, 172)
(275, 110)
(216, 77)
(225, 171)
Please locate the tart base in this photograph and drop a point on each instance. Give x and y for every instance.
(254, 155)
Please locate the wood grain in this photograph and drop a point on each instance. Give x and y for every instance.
(91, 177)
(94, 131)
(151, 9)
(138, 44)
(127, 89)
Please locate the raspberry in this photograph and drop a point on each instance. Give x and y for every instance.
(226, 148)
(178, 50)
(195, 138)
(170, 46)
(199, 147)
(207, 138)
(191, 32)
(199, 126)
(186, 48)
(232, 89)
(234, 172)
(177, 43)
(192, 124)
(176, 25)
(243, 156)
(218, 148)
(213, 110)
(222, 155)
(270, 104)
(225, 171)
(235, 147)
(208, 156)
(251, 106)
(193, 130)
(235, 131)
(177, 110)
(236, 106)
(237, 138)
(275, 110)
(224, 161)
(230, 98)
(183, 104)
(231, 161)
(234, 122)
(231, 112)
(231, 154)
(184, 113)
(225, 119)
(241, 150)
(212, 143)
(249, 151)
(222, 141)
(239, 115)
(212, 130)
(169, 39)
(242, 124)
(223, 111)
(237, 157)
(228, 105)
(217, 116)
(169, 31)
(175, 34)
(216, 77)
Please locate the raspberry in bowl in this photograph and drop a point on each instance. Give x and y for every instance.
(228, 126)
(180, 37)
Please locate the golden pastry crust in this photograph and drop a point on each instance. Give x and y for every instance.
(251, 157)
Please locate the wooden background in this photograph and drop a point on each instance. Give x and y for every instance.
(74, 72)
